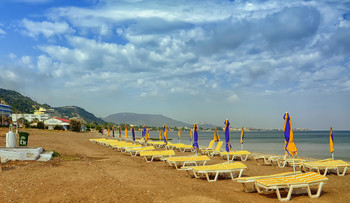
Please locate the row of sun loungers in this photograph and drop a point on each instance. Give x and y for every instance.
(196, 167)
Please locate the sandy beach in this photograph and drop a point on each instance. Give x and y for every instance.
(87, 172)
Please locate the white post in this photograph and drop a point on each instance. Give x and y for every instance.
(332, 155)
(241, 147)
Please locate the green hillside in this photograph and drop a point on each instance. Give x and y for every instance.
(75, 111)
(19, 103)
(23, 104)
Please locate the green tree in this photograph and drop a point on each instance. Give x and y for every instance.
(75, 125)
(40, 125)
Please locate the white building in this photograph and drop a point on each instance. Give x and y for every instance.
(52, 122)
(30, 117)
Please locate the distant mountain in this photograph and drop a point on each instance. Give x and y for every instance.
(23, 104)
(147, 119)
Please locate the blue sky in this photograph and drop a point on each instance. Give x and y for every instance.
(194, 61)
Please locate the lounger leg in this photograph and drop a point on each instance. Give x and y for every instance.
(281, 165)
(288, 195)
(344, 172)
(216, 177)
(244, 159)
(319, 190)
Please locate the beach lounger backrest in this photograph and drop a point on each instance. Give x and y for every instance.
(218, 147)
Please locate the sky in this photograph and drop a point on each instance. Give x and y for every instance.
(193, 61)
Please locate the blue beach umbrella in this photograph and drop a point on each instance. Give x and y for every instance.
(165, 131)
(242, 137)
(290, 147)
(195, 137)
(227, 137)
(113, 131)
(133, 133)
(120, 132)
(331, 142)
(144, 131)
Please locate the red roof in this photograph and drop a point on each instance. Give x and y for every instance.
(62, 119)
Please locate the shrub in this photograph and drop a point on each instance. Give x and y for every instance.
(41, 125)
(75, 125)
(58, 127)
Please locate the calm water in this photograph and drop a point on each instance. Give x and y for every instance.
(313, 144)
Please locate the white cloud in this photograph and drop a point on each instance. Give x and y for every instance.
(45, 28)
(233, 98)
(2, 32)
(27, 61)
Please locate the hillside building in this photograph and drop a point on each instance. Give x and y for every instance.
(30, 117)
(5, 111)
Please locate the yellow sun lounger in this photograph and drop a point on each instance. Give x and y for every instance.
(185, 147)
(157, 144)
(183, 161)
(289, 162)
(213, 152)
(223, 168)
(331, 165)
(134, 146)
(253, 179)
(210, 146)
(150, 155)
(119, 146)
(267, 159)
(232, 155)
(289, 183)
(96, 140)
(136, 151)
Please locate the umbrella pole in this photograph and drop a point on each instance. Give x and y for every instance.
(241, 147)
(332, 155)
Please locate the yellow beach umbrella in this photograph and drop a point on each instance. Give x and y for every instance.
(126, 131)
(179, 134)
(165, 130)
(331, 142)
(216, 135)
(242, 136)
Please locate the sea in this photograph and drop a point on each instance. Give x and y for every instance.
(310, 144)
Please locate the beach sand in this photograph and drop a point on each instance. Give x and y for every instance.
(88, 172)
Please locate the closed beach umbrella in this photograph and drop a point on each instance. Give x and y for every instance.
(133, 133)
(144, 131)
(195, 137)
(227, 135)
(126, 131)
(290, 147)
(331, 142)
(120, 132)
(179, 134)
(148, 133)
(165, 131)
(102, 130)
(113, 131)
(242, 136)
(108, 131)
(191, 136)
(160, 135)
(146, 136)
(227, 138)
(216, 135)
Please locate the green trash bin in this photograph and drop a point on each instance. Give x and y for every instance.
(23, 138)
